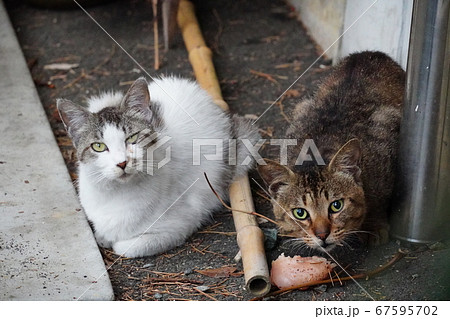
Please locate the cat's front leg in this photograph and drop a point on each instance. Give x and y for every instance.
(146, 245)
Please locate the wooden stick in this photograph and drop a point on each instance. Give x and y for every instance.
(250, 238)
(155, 32)
(200, 55)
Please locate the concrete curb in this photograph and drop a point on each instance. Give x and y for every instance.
(47, 249)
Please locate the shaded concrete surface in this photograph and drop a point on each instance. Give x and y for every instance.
(47, 250)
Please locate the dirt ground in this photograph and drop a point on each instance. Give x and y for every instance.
(259, 50)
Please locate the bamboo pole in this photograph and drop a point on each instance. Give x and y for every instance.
(250, 238)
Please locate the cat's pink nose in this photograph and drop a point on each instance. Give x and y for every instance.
(322, 235)
(122, 165)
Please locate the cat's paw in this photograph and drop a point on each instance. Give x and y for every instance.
(135, 247)
(146, 245)
(124, 248)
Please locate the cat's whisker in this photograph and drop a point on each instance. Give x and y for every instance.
(145, 162)
(290, 242)
(96, 176)
(296, 245)
(300, 246)
(301, 249)
(350, 241)
(345, 244)
(355, 235)
(93, 173)
(358, 232)
(99, 179)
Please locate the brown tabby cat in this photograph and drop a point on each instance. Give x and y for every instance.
(354, 120)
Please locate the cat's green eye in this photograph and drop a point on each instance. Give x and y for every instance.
(132, 139)
(99, 147)
(300, 213)
(336, 206)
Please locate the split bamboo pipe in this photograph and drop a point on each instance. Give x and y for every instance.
(250, 238)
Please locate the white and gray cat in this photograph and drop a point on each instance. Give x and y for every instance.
(135, 212)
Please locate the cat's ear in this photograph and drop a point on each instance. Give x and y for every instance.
(275, 175)
(347, 159)
(73, 116)
(137, 95)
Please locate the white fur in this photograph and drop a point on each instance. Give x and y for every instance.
(137, 214)
(110, 98)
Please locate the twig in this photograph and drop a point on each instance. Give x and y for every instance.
(214, 253)
(197, 250)
(236, 210)
(331, 277)
(264, 75)
(179, 299)
(212, 227)
(168, 256)
(267, 132)
(205, 294)
(337, 276)
(172, 280)
(288, 236)
(342, 270)
(168, 283)
(281, 107)
(84, 75)
(263, 196)
(134, 278)
(400, 254)
(229, 233)
(81, 76)
(219, 31)
(173, 274)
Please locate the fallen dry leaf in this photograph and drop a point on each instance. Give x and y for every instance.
(292, 93)
(225, 271)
